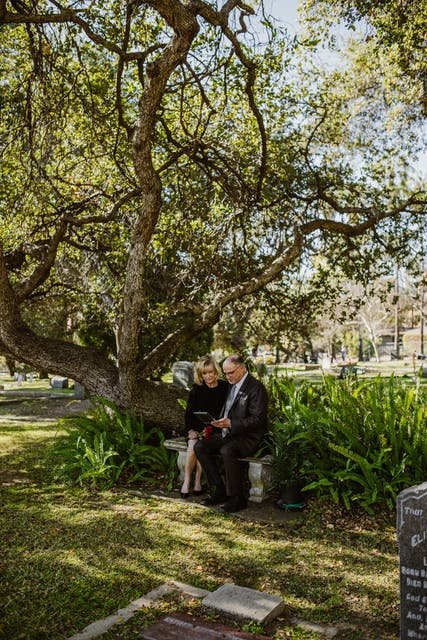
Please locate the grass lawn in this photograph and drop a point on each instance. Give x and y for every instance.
(407, 369)
(10, 384)
(71, 556)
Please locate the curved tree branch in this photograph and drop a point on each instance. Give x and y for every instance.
(109, 216)
(40, 274)
(18, 341)
(220, 19)
(374, 216)
(210, 314)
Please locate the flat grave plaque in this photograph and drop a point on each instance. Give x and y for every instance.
(241, 602)
(180, 626)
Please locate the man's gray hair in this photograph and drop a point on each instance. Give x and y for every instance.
(235, 358)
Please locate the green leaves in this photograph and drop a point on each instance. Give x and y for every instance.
(109, 445)
(395, 34)
(148, 182)
(359, 442)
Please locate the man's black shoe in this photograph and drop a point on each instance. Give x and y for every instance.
(217, 498)
(235, 504)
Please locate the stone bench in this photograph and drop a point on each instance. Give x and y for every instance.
(259, 471)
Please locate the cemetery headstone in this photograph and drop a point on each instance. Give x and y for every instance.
(412, 538)
(241, 602)
(326, 362)
(182, 373)
(57, 382)
(79, 391)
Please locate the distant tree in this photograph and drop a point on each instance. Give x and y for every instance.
(10, 363)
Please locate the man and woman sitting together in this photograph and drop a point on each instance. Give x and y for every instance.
(239, 409)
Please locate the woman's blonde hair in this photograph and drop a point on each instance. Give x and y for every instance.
(202, 364)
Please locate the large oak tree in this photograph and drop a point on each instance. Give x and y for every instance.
(157, 161)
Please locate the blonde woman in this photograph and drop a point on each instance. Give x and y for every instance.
(207, 394)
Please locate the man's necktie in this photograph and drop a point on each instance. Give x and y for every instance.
(228, 406)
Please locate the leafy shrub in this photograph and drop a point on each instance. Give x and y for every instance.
(290, 453)
(108, 445)
(362, 441)
(292, 412)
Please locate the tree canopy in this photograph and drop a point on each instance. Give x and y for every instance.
(164, 159)
(394, 28)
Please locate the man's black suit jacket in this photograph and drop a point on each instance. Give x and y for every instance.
(249, 411)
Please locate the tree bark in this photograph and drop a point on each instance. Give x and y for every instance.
(10, 363)
(160, 407)
(185, 26)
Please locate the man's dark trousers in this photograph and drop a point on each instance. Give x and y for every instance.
(248, 416)
(230, 450)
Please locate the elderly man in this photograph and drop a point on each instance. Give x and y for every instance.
(242, 427)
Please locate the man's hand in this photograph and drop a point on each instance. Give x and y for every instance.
(223, 423)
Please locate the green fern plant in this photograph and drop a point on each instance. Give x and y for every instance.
(364, 441)
(109, 445)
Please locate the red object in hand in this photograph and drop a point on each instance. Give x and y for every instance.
(208, 431)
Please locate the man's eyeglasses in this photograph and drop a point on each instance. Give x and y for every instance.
(230, 373)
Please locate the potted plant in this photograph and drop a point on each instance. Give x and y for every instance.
(289, 456)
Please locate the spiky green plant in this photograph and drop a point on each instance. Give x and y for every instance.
(361, 441)
(107, 445)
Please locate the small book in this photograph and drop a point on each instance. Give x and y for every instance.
(203, 416)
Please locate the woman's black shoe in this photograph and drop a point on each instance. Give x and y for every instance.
(185, 495)
(196, 492)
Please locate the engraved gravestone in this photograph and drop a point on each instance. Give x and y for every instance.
(412, 538)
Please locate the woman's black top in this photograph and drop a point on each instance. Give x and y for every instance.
(204, 398)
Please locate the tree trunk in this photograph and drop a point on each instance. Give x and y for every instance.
(10, 363)
(159, 405)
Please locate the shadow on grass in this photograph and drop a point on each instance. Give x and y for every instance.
(73, 555)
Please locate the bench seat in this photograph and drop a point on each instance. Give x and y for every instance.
(259, 471)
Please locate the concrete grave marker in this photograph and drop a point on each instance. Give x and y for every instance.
(241, 602)
(182, 373)
(79, 391)
(56, 382)
(412, 538)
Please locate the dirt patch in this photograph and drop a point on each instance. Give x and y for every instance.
(266, 512)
